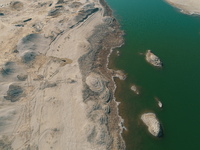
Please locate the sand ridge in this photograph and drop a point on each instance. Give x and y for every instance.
(54, 92)
(186, 6)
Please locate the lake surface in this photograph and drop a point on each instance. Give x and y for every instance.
(175, 38)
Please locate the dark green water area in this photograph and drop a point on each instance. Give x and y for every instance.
(175, 38)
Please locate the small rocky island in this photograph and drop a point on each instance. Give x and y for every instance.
(153, 59)
(160, 105)
(154, 126)
(135, 89)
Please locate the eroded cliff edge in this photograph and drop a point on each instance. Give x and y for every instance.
(56, 90)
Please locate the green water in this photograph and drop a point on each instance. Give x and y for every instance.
(175, 38)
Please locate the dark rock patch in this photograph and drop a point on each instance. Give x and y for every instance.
(19, 25)
(15, 51)
(83, 15)
(53, 12)
(5, 144)
(59, 6)
(28, 57)
(92, 133)
(29, 38)
(22, 77)
(75, 5)
(36, 43)
(17, 5)
(7, 69)
(1, 14)
(14, 93)
(27, 20)
(60, 2)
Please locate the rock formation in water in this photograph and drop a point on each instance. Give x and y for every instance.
(154, 126)
(159, 102)
(153, 59)
(135, 89)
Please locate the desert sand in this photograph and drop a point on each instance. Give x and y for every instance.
(186, 6)
(56, 91)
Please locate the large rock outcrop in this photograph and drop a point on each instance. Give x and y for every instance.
(154, 126)
(153, 59)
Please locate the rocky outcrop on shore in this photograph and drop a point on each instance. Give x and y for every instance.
(154, 126)
(153, 59)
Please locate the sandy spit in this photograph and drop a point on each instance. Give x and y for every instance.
(186, 6)
(56, 91)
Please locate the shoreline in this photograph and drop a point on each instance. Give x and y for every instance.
(102, 63)
(57, 91)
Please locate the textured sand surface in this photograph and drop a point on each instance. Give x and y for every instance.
(55, 92)
(186, 6)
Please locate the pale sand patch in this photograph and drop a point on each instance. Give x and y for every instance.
(186, 6)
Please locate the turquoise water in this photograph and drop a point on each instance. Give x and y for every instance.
(175, 38)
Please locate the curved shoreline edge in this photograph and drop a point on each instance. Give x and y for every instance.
(111, 40)
(121, 33)
(57, 91)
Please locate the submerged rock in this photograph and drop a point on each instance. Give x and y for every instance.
(153, 124)
(153, 59)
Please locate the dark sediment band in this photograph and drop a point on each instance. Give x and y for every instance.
(106, 36)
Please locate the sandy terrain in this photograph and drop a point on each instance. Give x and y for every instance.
(186, 6)
(55, 91)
